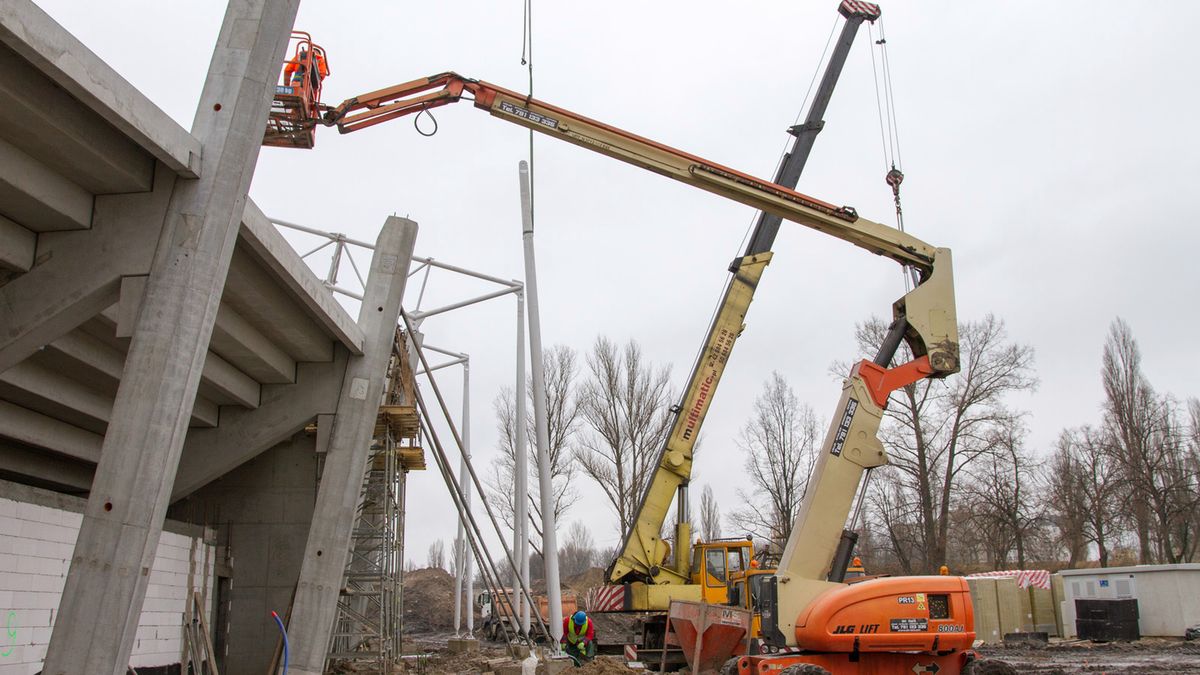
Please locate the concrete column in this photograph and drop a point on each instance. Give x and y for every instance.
(315, 608)
(110, 568)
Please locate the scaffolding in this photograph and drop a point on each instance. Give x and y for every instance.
(366, 636)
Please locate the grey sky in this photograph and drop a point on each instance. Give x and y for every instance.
(1053, 146)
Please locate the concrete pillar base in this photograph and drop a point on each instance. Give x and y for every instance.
(518, 651)
(510, 668)
(555, 665)
(462, 645)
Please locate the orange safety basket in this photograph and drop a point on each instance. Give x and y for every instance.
(296, 107)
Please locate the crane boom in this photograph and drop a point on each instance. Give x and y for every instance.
(427, 93)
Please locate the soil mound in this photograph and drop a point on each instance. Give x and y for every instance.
(580, 583)
(428, 600)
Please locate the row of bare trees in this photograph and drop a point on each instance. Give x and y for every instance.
(964, 487)
(1131, 481)
(607, 424)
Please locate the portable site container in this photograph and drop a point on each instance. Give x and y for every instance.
(1166, 595)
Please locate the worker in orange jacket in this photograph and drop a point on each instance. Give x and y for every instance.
(579, 637)
(294, 71)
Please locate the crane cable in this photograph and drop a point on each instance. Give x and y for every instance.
(527, 61)
(889, 132)
(754, 215)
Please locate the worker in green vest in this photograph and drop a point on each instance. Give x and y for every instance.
(579, 638)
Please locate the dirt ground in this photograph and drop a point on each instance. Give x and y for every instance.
(1146, 656)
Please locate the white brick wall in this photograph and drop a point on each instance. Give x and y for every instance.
(36, 543)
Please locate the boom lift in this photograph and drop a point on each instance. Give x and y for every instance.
(905, 620)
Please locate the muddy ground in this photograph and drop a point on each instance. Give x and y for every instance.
(1146, 656)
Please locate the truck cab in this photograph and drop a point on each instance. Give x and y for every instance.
(714, 563)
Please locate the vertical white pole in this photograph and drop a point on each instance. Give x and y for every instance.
(467, 554)
(545, 482)
(521, 469)
(460, 542)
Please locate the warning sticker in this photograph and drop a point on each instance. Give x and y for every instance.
(909, 625)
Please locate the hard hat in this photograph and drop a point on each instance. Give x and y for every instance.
(579, 617)
(857, 561)
(754, 564)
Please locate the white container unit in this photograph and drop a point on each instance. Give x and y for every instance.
(1168, 595)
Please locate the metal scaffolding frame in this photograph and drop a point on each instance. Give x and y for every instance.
(368, 630)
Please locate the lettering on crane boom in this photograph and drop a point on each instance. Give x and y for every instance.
(715, 362)
(844, 428)
(526, 114)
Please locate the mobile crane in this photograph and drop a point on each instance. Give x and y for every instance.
(803, 608)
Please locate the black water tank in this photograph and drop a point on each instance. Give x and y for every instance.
(1107, 620)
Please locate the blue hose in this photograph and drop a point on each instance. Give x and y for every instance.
(283, 631)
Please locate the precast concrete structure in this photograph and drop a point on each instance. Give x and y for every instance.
(162, 347)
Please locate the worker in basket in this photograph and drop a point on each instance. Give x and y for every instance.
(579, 638)
(297, 68)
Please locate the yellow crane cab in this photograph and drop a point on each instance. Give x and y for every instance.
(715, 562)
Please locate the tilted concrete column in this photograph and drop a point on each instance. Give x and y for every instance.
(328, 545)
(97, 619)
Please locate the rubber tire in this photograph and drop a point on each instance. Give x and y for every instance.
(989, 667)
(804, 669)
(731, 666)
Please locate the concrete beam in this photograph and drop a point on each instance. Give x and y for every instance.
(17, 246)
(225, 384)
(205, 413)
(220, 382)
(78, 273)
(53, 471)
(32, 428)
(38, 197)
(53, 393)
(88, 353)
(269, 246)
(110, 568)
(325, 553)
(257, 296)
(240, 343)
(42, 119)
(242, 435)
(30, 32)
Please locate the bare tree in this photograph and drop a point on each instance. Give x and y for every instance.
(626, 405)
(1098, 481)
(560, 365)
(578, 553)
(1000, 494)
(935, 429)
(437, 555)
(1066, 502)
(710, 515)
(780, 443)
(894, 512)
(1130, 415)
(1149, 443)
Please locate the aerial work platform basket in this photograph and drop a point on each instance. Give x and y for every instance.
(296, 108)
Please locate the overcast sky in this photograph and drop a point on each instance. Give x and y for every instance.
(1052, 146)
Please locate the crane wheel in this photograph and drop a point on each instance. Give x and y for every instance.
(988, 667)
(804, 669)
